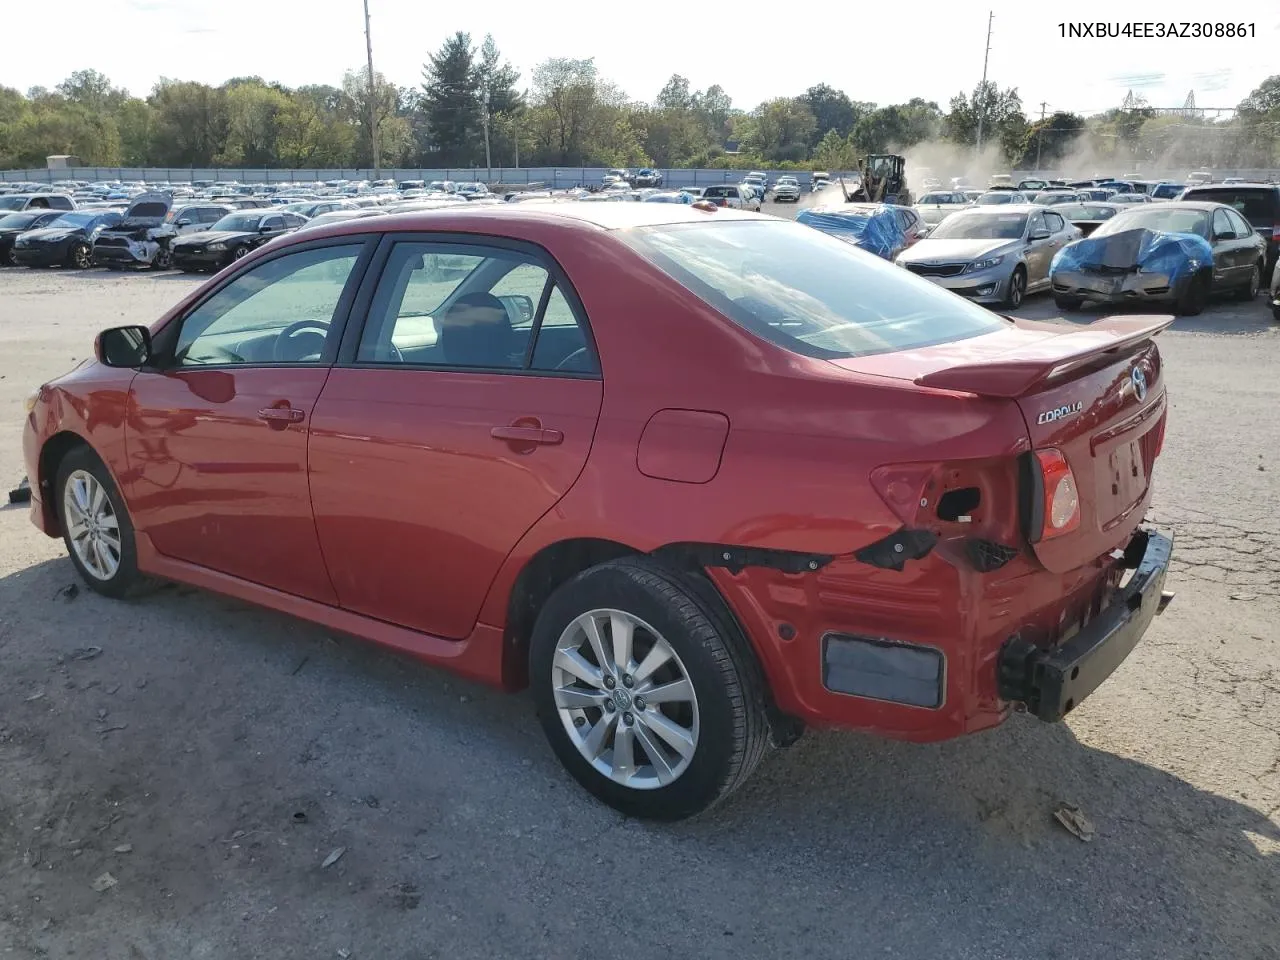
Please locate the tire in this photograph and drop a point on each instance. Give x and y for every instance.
(1017, 289)
(163, 260)
(1194, 297)
(80, 256)
(726, 714)
(81, 472)
(1069, 304)
(1249, 292)
(239, 253)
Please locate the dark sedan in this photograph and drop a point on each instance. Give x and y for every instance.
(231, 238)
(67, 240)
(1179, 252)
(1088, 216)
(15, 223)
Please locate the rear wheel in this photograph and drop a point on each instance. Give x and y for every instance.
(163, 259)
(647, 702)
(1017, 288)
(95, 524)
(1249, 292)
(1063, 302)
(1195, 295)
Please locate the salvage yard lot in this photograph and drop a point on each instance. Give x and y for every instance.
(190, 731)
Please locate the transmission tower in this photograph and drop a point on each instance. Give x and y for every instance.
(1189, 107)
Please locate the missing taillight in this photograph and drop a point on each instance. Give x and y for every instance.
(955, 504)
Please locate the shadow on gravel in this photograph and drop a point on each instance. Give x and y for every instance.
(101, 273)
(447, 802)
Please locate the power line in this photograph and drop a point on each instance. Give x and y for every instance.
(982, 90)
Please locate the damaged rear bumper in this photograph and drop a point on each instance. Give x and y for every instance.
(1050, 683)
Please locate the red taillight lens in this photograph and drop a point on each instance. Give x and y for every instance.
(1061, 498)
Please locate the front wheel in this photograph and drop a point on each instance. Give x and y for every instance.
(1017, 289)
(646, 698)
(1194, 296)
(239, 253)
(80, 256)
(163, 259)
(95, 524)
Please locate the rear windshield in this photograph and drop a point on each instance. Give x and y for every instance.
(238, 222)
(1259, 205)
(806, 291)
(15, 220)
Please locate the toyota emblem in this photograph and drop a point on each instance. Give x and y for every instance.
(1139, 380)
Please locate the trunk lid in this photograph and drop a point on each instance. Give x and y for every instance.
(1096, 394)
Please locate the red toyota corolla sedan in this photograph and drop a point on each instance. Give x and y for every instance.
(700, 478)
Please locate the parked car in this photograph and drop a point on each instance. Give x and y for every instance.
(933, 207)
(669, 197)
(1054, 196)
(1129, 198)
(66, 241)
(758, 181)
(1259, 203)
(1179, 252)
(1275, 294)
(1088, 216)
(1167, 191)
(997, 197)
(616, 175)
(647, 177)
(787, 190)
(873, 227)
(472, 191)
(733, 195)
(13, 202)
(313, 208)
(640, 555)
(13, 224)
(989, 255)
(150, 225)
(231, 238)
(338, 216)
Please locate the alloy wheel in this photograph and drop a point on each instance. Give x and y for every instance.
(81, 256)
(92, 526)
(625, 699)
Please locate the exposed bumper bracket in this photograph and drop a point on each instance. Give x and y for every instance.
(1050, 683)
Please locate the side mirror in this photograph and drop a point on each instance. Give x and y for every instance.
(519, 304)
(184, 223)
(123, 347)
(265, 229)
(1039, 235)
(1224, 235)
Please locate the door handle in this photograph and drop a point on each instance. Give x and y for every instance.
(275, 415)
(526, 434)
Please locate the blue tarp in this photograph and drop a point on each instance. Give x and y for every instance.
(1174, 254)
(874, 229)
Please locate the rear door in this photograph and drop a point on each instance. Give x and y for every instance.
(459, 415)
(1039, 251)
(1228, 267)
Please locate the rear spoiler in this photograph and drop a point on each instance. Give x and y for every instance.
(1033, 365)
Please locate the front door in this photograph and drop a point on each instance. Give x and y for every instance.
(217, 436)
(466, 412)
(1039, 251)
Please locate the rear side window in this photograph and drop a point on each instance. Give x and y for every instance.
(1259, 205)
(61, 203)
(806, 291)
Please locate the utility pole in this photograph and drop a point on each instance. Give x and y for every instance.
(982, 90)
(488, 161)
(373, 103)
(1040, 136)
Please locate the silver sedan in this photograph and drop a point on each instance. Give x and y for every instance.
(992, 255)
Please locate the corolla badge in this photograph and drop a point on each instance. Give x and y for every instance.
(1057, 413)
(1139, 380)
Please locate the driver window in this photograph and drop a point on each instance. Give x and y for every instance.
(1222, 226)
(1037, 224)
(293, 295)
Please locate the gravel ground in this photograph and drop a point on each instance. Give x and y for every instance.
(179, 759)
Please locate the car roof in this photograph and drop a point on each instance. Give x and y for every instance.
(1235, 186)
(1002, 208)
(584, 216)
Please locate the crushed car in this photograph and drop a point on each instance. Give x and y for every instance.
(145, 236)
(874, 227)
(1178, 252)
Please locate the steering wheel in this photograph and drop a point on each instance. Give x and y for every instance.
(279, 352)
(563, 364)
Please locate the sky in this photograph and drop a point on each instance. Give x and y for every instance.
(929, 50)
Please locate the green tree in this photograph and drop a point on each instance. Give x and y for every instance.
(835, 152)
(191, 123)
(451, 100)
(782, 130)
(565, 100)
(253, 115)
(393, 129)
(832, 110)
